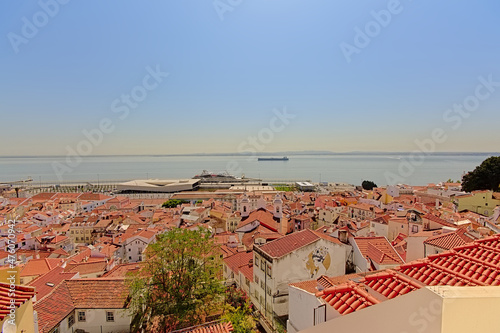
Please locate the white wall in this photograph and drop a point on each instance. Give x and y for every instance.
(415, 247)
(430, 249)
(379, 229)
(395, 228)
(95, 318)
(373, 202)
(131, 248)
(295, 267)
(403, 314)
(359, 260)
(442, 309)
(327, 216)
(393, 191)
(301, 309)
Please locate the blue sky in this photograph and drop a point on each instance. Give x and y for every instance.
(226, 76)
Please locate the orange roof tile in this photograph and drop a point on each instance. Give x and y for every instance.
(74, 294)
(447, 241)
(46, 283)
(379, 250)
(474, 264)
(107, 293)
(289, 243)
(212, 328)
(84, 268)
(311, 286)
(438, 220)
(240, 262)
(122, 270)
(37, 267)
(265, 218)
(21, 295)
(390, 284)
(347, 298)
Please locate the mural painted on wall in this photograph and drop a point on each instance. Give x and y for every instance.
(318, 261)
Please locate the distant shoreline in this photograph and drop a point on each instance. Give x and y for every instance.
(288, 153)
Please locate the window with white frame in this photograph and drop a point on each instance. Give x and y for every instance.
(110, 316)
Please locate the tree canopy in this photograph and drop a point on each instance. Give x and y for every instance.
(172, 203)
(368, 185)
(179, 284)
(486, 176)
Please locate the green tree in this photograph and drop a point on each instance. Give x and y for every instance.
(368, 185)
(241, 318)
(172, 203)
(486, 176)
(179, 284)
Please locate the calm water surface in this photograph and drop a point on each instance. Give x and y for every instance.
(349, 168)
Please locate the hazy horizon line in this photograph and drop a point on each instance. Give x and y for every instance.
(291, 153)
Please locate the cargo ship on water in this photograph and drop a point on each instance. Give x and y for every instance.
(284, 158)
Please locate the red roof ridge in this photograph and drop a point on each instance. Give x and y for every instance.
(357, 297)
(18, 295)
(449, 240)
(289, 243)
(100, 279)
(474, 264)
(471, 258)
(459, 274)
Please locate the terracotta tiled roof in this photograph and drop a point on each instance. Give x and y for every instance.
(74, 294)
(324, 282)
(383, 219)
(21, 295)
(43, 196)
(94, 196)
(326, 237)
(347, 298)
(473, 264)
(449, 240)
(123, 269)
(46, 283)
(84, 268)
(60, 252)
(438, 220)
(108, 293)
(289, 243)
(399, 239)
(247, 272)
(379, 250)
(51, 310)
(238, 260)
(226, 237)
(363, 206)
(338, 280)
(390, 284)
(212, 328)
(260, 232)
(311, 286)
(84, 253)
(37, 267)
(265, 218)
